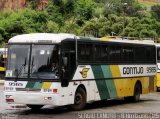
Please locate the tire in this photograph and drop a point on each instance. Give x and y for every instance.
(79, 100)
(136, 96)
(137, 93)
(158, 89)
(35, 107)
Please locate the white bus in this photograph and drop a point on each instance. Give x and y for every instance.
(89, 69)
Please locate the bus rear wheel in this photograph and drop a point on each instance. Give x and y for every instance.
(79, 100)
(35, 107)
(137, 93)
(158, 89)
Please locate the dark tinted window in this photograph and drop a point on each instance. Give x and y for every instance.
(114, 53)
(97, 53)
(104, 53)
(85, 52)
(127, 54)
(158, 53)
(140, 54)
(150, 55)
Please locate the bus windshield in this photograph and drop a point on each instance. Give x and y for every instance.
(32, 61)
(42, 58)
(18, 60)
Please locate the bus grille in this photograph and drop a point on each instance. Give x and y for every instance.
(28, 89)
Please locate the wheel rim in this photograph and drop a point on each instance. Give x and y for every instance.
(78, 99)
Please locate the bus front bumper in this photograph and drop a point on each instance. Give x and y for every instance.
(31, 98)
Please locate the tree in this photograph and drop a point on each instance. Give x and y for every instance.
(155, 11)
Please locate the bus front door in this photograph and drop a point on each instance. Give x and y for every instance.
(68, 63)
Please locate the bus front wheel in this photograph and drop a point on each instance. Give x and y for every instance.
(79, 100)
(35, 107)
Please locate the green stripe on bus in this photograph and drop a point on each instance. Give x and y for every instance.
(102, 88)
(111, 88)
(38, 85)
(97, 71)
(30, 84)
(106, 71)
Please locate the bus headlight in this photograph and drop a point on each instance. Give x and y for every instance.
(9, 97)
(47, 98)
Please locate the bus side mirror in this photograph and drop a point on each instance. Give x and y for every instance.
(65, 61)
(1, 59)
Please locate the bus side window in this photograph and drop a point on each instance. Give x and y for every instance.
(85, 52)
(158, 54)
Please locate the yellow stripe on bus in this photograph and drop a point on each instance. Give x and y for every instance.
(158, 79)
(125, 86)
(104, 39)
(46, 85)
(115, 71)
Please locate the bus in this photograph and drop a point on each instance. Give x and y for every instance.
(89, 69)
(158, 66)
(3, 58)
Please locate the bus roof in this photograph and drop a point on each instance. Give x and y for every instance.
(125, 40)
(120, 40)
(40, 37)
(57, 38)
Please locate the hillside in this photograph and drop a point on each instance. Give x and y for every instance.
(18, 4)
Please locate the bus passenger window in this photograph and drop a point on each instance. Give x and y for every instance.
(158, 53)
(127, 54)
(98, 53)
(114, 54)
(104, 53)
(85, 52)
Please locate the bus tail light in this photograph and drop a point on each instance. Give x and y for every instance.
(9, 98)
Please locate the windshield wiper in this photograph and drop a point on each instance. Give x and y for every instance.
(16, 73)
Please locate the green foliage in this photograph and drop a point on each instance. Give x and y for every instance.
(99, 17)
(33, 4)
(155, 11)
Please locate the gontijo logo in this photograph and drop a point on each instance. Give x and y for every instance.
(84, 72)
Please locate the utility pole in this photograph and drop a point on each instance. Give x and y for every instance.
(124, 16)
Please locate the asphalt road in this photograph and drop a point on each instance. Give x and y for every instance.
(147, 107)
